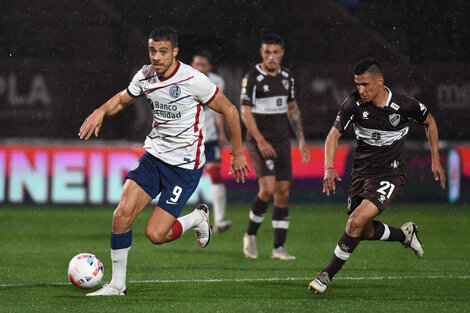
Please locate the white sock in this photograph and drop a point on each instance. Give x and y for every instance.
(190, 220)
(219, 198)
(119, 259)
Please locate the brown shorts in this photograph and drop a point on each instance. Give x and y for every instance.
(281, 166)
(378, 190)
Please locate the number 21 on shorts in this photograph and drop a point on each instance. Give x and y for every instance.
(383, 190)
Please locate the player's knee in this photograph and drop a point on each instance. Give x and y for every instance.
(155, 237)
(283, 194)
(354, 224)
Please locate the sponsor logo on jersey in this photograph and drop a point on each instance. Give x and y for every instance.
(285, 83)
(394, 106)
(395, 164)
(376, 136)
(279, 102)
(365, 115)
(394, 119)
(259, 78)
(175, 91)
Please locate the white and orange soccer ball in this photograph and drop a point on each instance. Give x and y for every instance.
(85, 270)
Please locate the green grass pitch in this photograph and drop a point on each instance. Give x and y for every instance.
(37, 244)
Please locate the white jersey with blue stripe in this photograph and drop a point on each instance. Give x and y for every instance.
(177, 135)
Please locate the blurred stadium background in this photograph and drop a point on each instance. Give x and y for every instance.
(59, 60)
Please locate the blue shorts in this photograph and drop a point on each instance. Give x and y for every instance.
(212, 151)
(175, 184)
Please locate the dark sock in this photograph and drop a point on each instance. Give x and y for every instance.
(258, 210)
(385, 232)
(280, 221)
(343, 250)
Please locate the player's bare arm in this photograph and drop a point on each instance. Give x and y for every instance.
(265, 148)
(293, 113)
(93, 122)
(331, 144)
(239, 164)
(220, 125)
(433, 139)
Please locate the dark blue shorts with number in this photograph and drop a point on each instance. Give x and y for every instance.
(175, 184)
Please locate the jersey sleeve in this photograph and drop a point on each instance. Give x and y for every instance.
(291, 95)
(134, 89)
(248, 91)
(203, 89)
(416, 111)
(345, 115)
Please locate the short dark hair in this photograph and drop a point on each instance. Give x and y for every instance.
(368, 65)
(165, 33)
(272, 39)
(204, 54)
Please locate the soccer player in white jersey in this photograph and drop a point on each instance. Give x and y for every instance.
(215, 140)
(174, 157)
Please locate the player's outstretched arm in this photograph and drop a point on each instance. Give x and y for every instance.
(265, 148)
(93, 122)
(293, 113)
(331, 144)
(433, 138)
(239, 165)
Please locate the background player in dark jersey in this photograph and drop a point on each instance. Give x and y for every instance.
(268, 105)
(380, 119)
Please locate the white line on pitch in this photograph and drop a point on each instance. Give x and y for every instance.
(224, 280)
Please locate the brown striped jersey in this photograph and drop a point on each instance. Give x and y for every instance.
(380, 132)
(268, 96)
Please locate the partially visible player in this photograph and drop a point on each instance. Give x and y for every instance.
(381, 120)
(174, 157)
(215, 140)
(267, 106)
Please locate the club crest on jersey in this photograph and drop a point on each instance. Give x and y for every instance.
(394, 119)
(266, 88)
(175, 91)
(285, 83)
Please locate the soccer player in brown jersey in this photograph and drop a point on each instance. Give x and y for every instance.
(380, 119)
(267, 106)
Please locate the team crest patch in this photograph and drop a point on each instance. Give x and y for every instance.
(135, 166)
(394, 119)
(285, 83)
(270, 164)
(175, 91)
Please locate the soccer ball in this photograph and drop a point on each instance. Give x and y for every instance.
(85, 270)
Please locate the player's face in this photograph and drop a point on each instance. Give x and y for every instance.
(201, 64)
(368, 86)
(162, 55)
(272, 56)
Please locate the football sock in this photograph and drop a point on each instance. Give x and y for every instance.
(120, 246)
(343, 250)
(189, 221)
(219, 199)
(280, 221)
(176, 230)
(257, 212)
(388, 233)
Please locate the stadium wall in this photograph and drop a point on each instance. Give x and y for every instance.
(94, 175)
